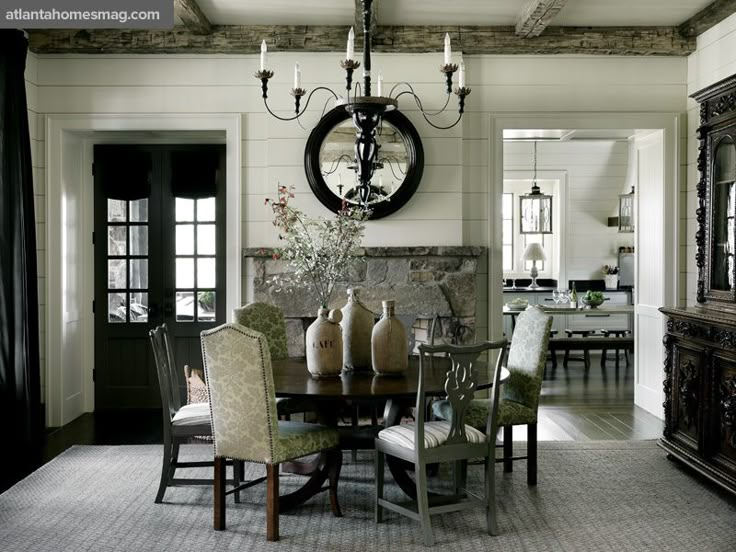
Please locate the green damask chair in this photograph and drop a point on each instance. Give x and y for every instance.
(424, 443)
(520, 396)
(237, 365)
(269, 320)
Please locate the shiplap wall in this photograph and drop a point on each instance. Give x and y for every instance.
(452, 205)
(713, 60)
(38, 160)
(596, 175)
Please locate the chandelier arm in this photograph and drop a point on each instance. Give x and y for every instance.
(438, 127)
(336, 164)
(391, 162)
(304, 109)
(419, 101)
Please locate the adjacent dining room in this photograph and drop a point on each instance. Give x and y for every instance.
(368, 275)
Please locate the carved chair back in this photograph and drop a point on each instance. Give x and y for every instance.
(169, 377)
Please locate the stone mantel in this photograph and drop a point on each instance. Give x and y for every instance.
(410, 251)
(425, 282)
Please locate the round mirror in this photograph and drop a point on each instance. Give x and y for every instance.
(329, 160)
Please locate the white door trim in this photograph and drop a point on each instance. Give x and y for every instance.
(76, 132)
(672, 124)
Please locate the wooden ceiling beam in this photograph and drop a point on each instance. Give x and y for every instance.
(708, 17)
(192, 16)
(536, 16)
(634, 41)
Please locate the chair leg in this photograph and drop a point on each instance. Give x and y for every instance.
(165, 471)
(237, 478)
(508, 448)
(491, 521)
(566, 358)
(586, 359)
(604, 355)
(461, 476)
(355, 424)
(219, 493)
(531, 452)
(379, 487)
(423, 504)
(272, 502)
(334, 457)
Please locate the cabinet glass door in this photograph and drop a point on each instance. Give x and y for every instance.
(723, 238)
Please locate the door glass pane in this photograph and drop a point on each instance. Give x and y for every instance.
(139, 240)
(116, 273)
(206, 273)
(206, 306)
(185, 306)
(185, 273)
(116, 307)
(184, 209)
(508, 260)
(205, 239)
(139, 273)
(139, 307)
(206, 209)
(184, 239)
(139, 210)
(725, 163)
(116, 240)
(116, 210)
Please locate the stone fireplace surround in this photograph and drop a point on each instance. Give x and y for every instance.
(424, 281)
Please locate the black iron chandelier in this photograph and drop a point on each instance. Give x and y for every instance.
(365, 109)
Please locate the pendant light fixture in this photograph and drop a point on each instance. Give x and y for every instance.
(536, 208)
(626, 205)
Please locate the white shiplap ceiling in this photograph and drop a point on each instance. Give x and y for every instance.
(593, 13)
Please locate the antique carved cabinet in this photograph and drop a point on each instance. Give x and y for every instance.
(700, 343)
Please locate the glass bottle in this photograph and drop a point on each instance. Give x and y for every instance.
(573, 297)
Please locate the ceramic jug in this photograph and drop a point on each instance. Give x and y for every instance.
(324, 344)
(389, 344)
(357, 326)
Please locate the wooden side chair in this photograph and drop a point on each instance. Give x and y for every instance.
(269, 320)
(426, 443)
(245, 427)
(182, 422)
(520, 397)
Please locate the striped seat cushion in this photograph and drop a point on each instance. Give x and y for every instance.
(435, 434)
(193, 414)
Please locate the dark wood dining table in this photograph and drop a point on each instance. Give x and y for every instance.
(292, 379)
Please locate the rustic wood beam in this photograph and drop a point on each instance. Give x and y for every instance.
(358, 25)
(192, 16)
(633, 41)
(536, 16)
(708, 17)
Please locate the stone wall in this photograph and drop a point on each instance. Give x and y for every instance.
(425, 282)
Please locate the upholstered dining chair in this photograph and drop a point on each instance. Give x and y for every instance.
(520, 396)
(181, 422)
(237, 364)
(423, 442)
(269, 320)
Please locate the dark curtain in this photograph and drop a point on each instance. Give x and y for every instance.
(20, 404)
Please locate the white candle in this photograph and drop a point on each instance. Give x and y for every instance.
(380, 84)
(297, 76)
(448, 50)
(351, 45)
(264, 49)
(461, 82)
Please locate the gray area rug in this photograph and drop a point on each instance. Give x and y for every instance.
(605, 496)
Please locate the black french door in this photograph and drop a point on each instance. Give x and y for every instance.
(159, 257)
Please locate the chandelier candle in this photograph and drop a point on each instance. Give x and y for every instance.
(366, 109)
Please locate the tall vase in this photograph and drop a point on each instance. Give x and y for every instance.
(324, 344)
(357, 326)
(389, 344)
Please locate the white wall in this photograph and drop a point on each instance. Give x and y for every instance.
(596, 175)
(713, 60)
(452, 205)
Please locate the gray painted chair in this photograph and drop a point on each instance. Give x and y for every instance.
(424, 443)
(181, 422)
(237, 365)
(520, 402)
(269, 320)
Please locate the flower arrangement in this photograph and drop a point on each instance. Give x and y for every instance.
(610, 270)
(319, 250)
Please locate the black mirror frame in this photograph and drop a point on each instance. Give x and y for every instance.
(415, 162)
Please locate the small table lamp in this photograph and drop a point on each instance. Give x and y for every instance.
(534, 252)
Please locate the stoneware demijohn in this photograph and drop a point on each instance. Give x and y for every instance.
(324, 344)
(357, 326)
(389, 344)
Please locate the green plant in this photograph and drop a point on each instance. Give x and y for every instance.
(319, 250)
